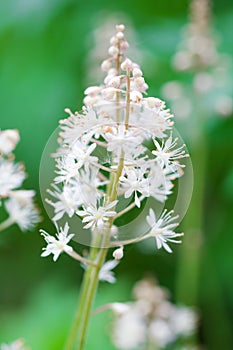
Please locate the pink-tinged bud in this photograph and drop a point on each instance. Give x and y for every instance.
(92, 90)
(135, 96)
(109, 93)
(114, 41)
(144, 87)
(124, 45)
(88, 100)
(120, 27)
(118, 253)
(139, 82)
(126, 65)
(137, 73)
(115, 82)
(112, 71)
(120, 35)
(106, 65)
(113, 51)
(153, 102)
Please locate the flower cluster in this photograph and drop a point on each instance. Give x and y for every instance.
(115, 154)
(17, 202)
(151, 318)
(198, 50)
(210, 70)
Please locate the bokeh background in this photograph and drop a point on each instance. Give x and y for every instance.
(45, 65)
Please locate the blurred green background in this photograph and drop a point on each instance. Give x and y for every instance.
(44, 49)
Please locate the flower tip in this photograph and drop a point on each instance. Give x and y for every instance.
(120, 27)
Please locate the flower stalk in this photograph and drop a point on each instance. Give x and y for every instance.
(116, 120)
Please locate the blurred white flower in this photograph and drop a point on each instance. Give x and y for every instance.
(11, 176)
(8, 141)
(15, 345)
(151, 318)
(183, 321)
(22, 212)
(161, 333)
(106, 273)
(129, 329)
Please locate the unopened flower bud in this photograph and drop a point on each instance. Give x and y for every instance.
(124, 45)
(89, 100)
(118, 253)
(139, 81)
(120, 35)
(153, 102)
(106, 65)
(92, 90)
(120, 27)
(127, 64)
(115, 82)
(114, 41)
(135, 96)
(108, 93)
(137, 73)
(113, 51)
(143, 87)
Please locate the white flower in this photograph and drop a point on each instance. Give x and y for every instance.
(68, 201)
(106, 274)
(82, 154)
(8, 141)
(161, 333)
(25, 215)
(59, 245)
(67, 168)
(130, 329)
(11, 176)
(24, 197)
(166, 154)
(121, 139)
(183, 321)
(96, 217)
(72, 127)
(88, 183)
(160, 183)
(162, 230)
(134, 181)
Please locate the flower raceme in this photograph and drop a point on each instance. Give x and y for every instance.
(18, 203)
(115, 154)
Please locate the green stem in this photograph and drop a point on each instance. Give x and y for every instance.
(90, 282)
(5, 224)
(97, 255)
(84, 291)
(90, 298)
